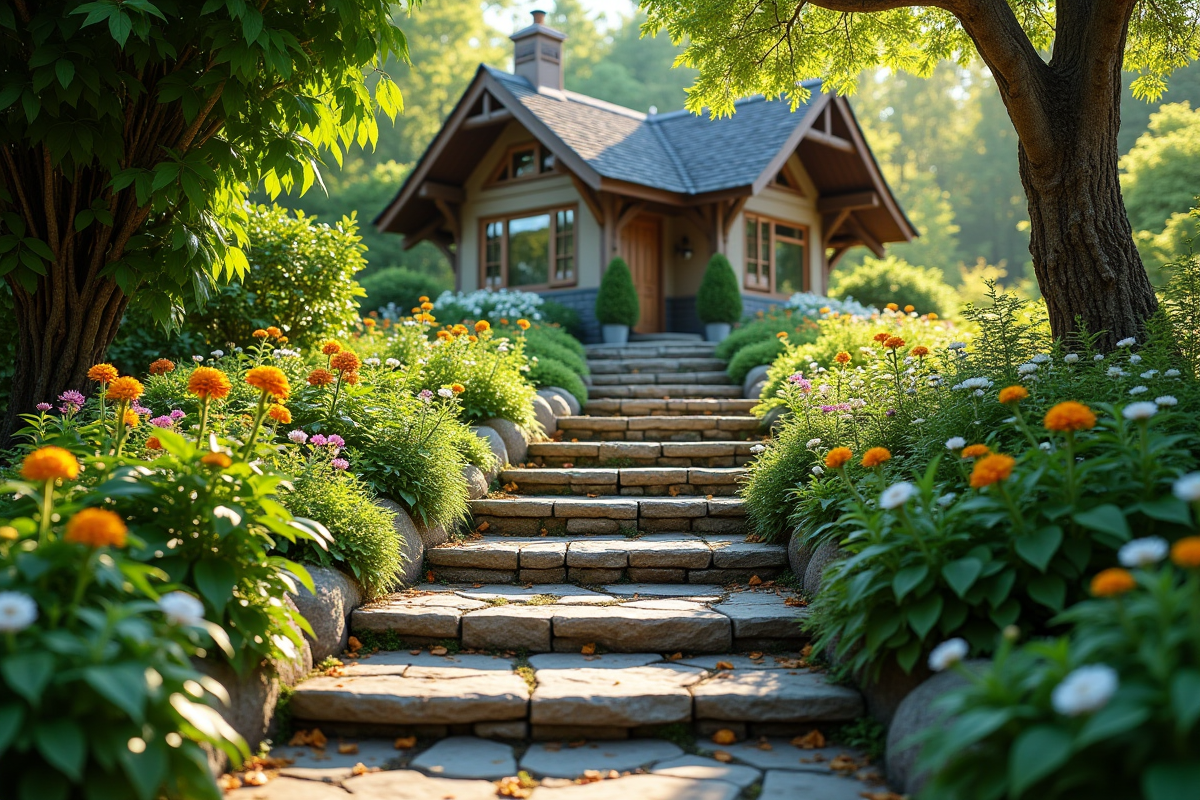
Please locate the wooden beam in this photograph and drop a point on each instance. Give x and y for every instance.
(450, 213)
(838, 252)
(852, 201)
(829, 140)
(490, 118)
(831, 224)
(590, 199)
(428, 230)
(866, 238)
(735, 207)
(442, 191)
(627, 214)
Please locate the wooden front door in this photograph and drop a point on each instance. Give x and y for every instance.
(641, 247)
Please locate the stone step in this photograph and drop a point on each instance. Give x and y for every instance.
(642, 454)
(651, 350)
(564, 618)
(618, 407)
(683, 428)
(538, 516)
(628, 481)
(653, 558)
(665, 391)
(712, 378)
(608, 366)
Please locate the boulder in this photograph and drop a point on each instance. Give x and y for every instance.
(328, 610)
(516, 441)
(568, 398)
(545, 414)
(557, 404)
(756, 390)
(477, 483)
(916, 713)
(432, 535)
(822, 557)
(799, 554)
(414, 546)
(773, 418)
(887, 690)
(755, 375)
(499, 449)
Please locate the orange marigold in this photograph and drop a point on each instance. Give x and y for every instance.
(457, 388)
(131, 419)
(50, 463)
(876, 456)
(350, 377)
(893, 306)
(1070, 416)
(781, 335)
(274, 332)
(423, 299)
(320, 377)
(153, 443)
(260, 334)
(280, 414)
(482, 325)
(882, 336)
(842, 358)
(893, 343)
(270, 380)
(909, 309)
(1112, 582)
(459, 329)
(932, 315)
(346, 361)
(215, 459)
(445, 336)
(1186, 552)
(992, 469)
(976, 451)
(523, 324)
(102, 373)
(472, 339)
(161, 366)
(920, 351)
(837, 457)
(331, 348)
(370, 323)
(97, 527)
(427, 306)
(283, 340)
(125, 388)
(1013, 394)
(209, 384)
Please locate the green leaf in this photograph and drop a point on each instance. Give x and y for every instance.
(215, 579)
(1185, 698)
(1036, 753)
(1105, 519)
(923, 614)
(1049, 590)
(1112, 720)
(65, 70)
(9, 94)
(119, 25)
(28, 673)
(10, 722)
(1039, 547)
(908, 579)
(962, 574)
(123, 685)
(62, 744)
(1168, 509)
(147, 769)
(1176, 781)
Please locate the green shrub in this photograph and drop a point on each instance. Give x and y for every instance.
(538, 345)
(551, 372)
(719, 298)
(365, 542)
(401, 286)
(559, 336)
(555, 313)
(617, 300)
(879, 281)
(492, 371)
(751, 356)
(764, 328)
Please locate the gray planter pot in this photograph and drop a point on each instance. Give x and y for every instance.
(615, 334)
(716, 331)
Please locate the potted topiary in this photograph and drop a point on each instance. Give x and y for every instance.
(719, 301)
(617, 303)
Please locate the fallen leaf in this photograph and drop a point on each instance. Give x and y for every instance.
(756, 656)
(806, 651)
(483, 526)
(438, 651)
(724, 665)
(723, 756)
(675, 657)
(348, 748)
(812, 740)
(567, 465)
(724, 736)
(255, 778)
(227, 783)
(795, 602)
(429, 576)
(755, 580)
(359, 769)
(881, 795)
(317, 739)
(405, 743)
(708, 497)
(673, 491)
(512, 787)
(577, 744)
(416, 652)
(764, 745)
(588, 649)
(353, 644)
(843, 763)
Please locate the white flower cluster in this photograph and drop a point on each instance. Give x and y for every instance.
(810, 305)
(978, 384)
(486, 304)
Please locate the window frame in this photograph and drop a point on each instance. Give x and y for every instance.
(552, 247)
(540, 151)
(753, 283)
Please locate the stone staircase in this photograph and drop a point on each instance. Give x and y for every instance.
(609, 588)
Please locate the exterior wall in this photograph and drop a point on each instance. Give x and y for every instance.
(535, 194)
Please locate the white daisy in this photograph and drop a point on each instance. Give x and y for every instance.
(897, 495)
(17, 611)
(947, 654)
(1143, 552)
(1142, 410)
(1085, 689)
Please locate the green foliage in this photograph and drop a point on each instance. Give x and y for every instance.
(364, 538)
(492, 370)
(719, 298)
(1161, 174)
(1019, 731)
(751, 356)
(542, 341)
(552, 372)
(877, 282)
(762, 328)
(617, 300)
(399, 285)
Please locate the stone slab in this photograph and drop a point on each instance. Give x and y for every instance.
(673, 507)
(629, 450)
(543, 555)
(458, 665)
(311, 763)
(393, 700)
(776, 696)
(708, 769)
(663, 590)
(286, 788)
(631, 630)
(592, 526)
(597, 508)
(779, 785)
(653, 476)
(735, 553)
(626, 698)
(599, 553)
(605, 661)
(565, 593)
(547, 760)
(412, 785)
(490, 553)
(755, 615)
(513, 508)
(781, 755)
(644, 787)
(467, 757)
(768, 661)
(508, 627)
(434, 616)
(733, 507)
(669, 550)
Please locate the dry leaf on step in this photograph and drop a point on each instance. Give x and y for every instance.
(348, 748)
(405, 743)
(724, 665)
(755, 580)
(438, 651)
(588, 649)
(724, 736)
(723, 756)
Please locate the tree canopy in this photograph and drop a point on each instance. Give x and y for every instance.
(1161, 174)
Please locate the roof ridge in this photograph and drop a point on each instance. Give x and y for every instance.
(680, 169)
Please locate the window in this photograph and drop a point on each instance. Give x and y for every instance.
(522, 162)
(530, 251)
(776, 256)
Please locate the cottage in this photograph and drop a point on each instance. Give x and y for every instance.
(532, 187)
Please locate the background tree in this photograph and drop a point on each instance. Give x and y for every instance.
(129, 133)
(1065, 110)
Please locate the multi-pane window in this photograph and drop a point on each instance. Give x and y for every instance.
(524, 161)
(776, 256)
(530, 251)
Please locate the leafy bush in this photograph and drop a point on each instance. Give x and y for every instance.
(719, 298)
(567, 318)
(551, 372)
(814, 305)
(617, 300)
(763, 328)
(1027, 727)
(880, 281)
(541, 344)
(400, 287)
(364, 538)
(753, 355)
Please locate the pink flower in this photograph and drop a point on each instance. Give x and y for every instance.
(163, 422)
(318, 440)
(340, 463)
(44, 407)
(298, 436)
(138, 408)
(336, 441)
(177, 414)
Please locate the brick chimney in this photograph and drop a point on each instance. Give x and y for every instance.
(537, 53)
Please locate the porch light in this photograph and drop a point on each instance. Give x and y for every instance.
(684, 248)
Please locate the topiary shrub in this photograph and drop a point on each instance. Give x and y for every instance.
(719, 298)
(399, 285)
(879, 281)
(751, 356)
(552, 372)
(617, 300)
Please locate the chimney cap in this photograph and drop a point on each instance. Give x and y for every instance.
(539, 17)
(538, 26)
